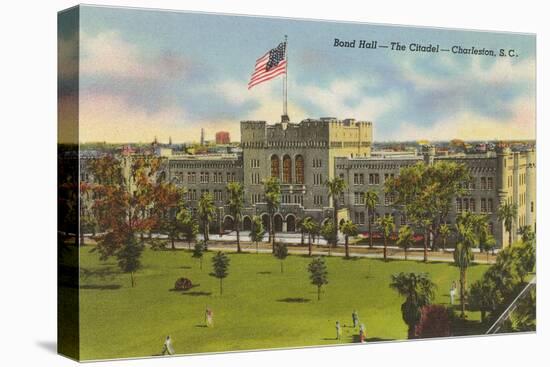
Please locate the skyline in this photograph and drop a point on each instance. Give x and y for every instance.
(173, 73)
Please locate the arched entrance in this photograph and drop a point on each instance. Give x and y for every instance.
(228, 223)
(247, 224)
(278, 223)
(290, 223)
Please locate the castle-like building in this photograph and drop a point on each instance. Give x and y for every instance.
(304, 155)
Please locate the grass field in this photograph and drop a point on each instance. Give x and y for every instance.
(260, 307)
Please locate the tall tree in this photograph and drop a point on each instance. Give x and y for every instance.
(272, 190)
(405, 239)
(469, 228)
(371, 200)
(206, 212)
(507, 214)
(198, 252)
(129, 199)
(318, 274)
(257, 231)
(188, 226)
(129, 257)
(281, 252)
(328, 233)
(335, 188)
(426, 193)
(418, 290)
(349, 229)
(220, 264)
(444, 234)
(310, 227)
(387, 226)
(235, 203)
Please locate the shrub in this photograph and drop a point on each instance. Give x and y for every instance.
(434, 322)
(183, 284)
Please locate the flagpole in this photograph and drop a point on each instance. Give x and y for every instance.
(285, 84)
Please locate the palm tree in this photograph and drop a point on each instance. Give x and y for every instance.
(469, 228)
(371, 200)
(387, 226)
(348, 228)
(272, 189)
(235, 203)
(418, 290)
(206, 211)
(406, 238)
(507, 214)
(335, 188)
(310, 227)
(444, 234)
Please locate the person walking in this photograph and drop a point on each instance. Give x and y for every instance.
(362, 335)
(452, 292)
(209, 317)
(355, 318)
(168, 346)
(338, 330)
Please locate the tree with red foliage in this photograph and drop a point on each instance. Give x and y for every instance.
(434, 322)
(129, 199)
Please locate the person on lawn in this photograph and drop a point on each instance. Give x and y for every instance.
(355, 318)
(338, 331)
(362, 335)
(168, 346)
(209, 316)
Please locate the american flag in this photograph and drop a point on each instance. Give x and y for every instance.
(270, 65)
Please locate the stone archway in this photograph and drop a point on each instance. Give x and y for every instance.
(278, 223)
(247, 223)
(228, 223)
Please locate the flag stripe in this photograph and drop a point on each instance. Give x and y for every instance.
(265, 77)
(270, 65)
(271, 72)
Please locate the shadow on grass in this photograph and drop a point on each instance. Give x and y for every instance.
(185, 267)
(196, 293)
(263, 272)
(294, 300)
(101, 273)
(101, 287)
(351, 258)
(201, 325)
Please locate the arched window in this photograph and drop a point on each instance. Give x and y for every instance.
(287, 169)
(275, 172)
(299, 169)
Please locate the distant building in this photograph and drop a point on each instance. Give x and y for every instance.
(222, 137)
(202, 136)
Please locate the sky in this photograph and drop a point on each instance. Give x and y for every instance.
(169, 74)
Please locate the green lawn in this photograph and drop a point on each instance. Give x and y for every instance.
(260, 307)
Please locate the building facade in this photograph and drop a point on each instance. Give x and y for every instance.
(303, 156)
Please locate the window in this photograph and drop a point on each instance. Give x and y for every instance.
(473, 204)
(483, 205)
(275, 172)
(489, 205)
(299, 169)
(483, 183)
(388, 199)
(532, 207)
(318, 199)
(491, 228)
(466, 205)
(458, 205)
(489, 183)
(287, 169)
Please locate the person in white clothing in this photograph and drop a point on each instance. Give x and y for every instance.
(168, 346)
